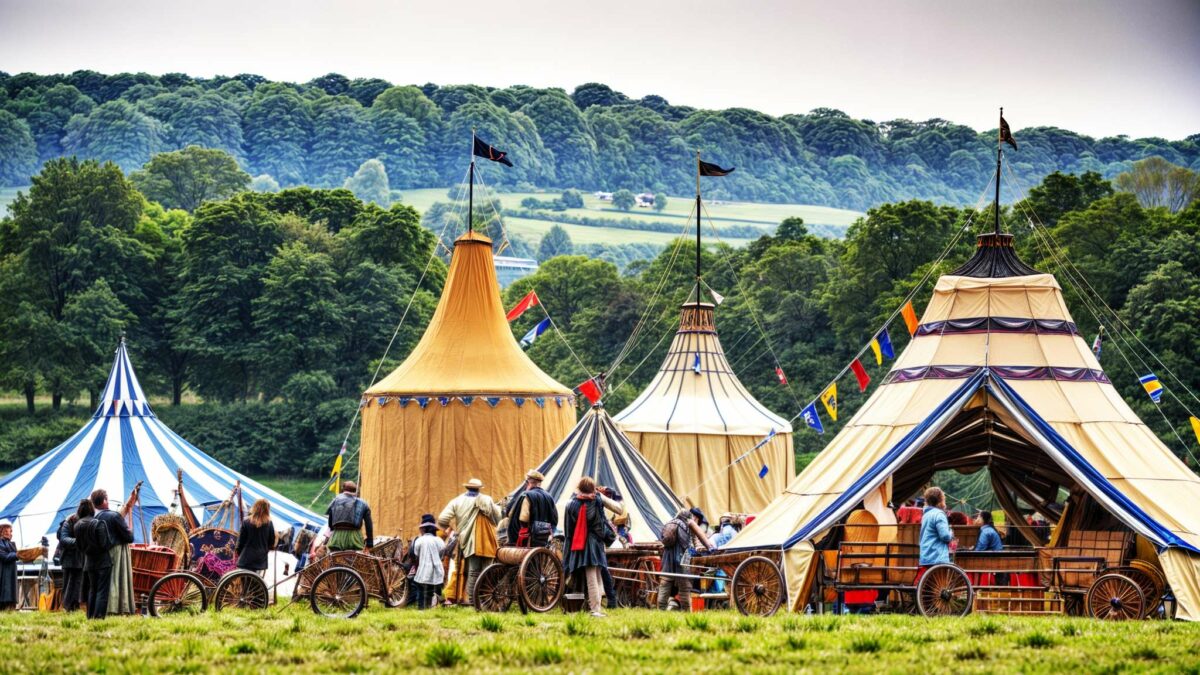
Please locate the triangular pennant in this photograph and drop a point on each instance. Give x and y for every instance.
(540, 401)
(717, 297)
(829, 398)
(404, 401)
(812, 419)
(492, 400)
(519, 401)
(860, 374)
(910, 317)
(382, 400)
(762, 473)
(444, 400)
(696, 364)
(422, 401)
(558, 400)
(467, 400)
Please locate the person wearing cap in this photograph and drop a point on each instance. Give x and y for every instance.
(474, 516)
(536, 515)
(428, 549)
(8, 567)
(347, 516)
(726, 531)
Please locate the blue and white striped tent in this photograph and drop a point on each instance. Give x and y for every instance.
(122, 444)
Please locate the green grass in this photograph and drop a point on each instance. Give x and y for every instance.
(292, 639)
(299, 490)
(678, 208)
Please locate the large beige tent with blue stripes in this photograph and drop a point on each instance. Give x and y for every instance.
(998, 376)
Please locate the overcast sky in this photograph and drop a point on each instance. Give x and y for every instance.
(1099, 67)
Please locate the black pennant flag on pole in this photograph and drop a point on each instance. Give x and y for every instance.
(1006, 133)
(488, 152)
(707, 169)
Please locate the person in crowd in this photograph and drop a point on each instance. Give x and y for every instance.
(474, 516)
(587, 536)
(8, 567)
(613, 502)
(909, 514)
(347, 515)
(936, 534)
(725, 530)
(120, 581)
(256, 538)
(989, 538)
(428, 548)
(957, 518)
(677, 536)
(533, 514)
(70, 559)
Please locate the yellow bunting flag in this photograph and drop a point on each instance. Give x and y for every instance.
(336, 474)
(910, 318)
(1196, 428)
(878, 352)
(829, 398)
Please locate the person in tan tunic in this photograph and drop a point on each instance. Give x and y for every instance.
(473, 516)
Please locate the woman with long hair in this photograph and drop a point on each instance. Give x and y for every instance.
(71, 558)
(256, 538)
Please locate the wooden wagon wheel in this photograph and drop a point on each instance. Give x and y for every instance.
(540, 580)
(178, 592)
(757, 587)
(1116, 597)
(338, 592)
(944, 590)
(1147, 579)
(648, 584)
(495, 589)
(395, 582)
(242, 589)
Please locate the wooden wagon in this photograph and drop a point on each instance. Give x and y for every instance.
(339, 584)
(633, 569)
(753, 579)
(533, 577)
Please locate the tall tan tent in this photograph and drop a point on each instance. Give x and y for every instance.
(466, 403)
(696, 418)
(997, 375)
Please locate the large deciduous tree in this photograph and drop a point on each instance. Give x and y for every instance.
(18, 151)
(115, 132)
(186, 178)
(277, 126)
(370, 183)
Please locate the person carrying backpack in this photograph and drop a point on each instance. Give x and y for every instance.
(91, 539)
(676, 538)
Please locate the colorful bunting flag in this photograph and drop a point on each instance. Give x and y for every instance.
(535, 332)
(717, 297)
(530, 300)
(860, 374)
(829, 398)
(1152, 386)
(590, 390)
(696, 364)
(811, 418)
(336, 474)
(910, 317)
(780, 376)
(762, 473)
(882, 346)
(1195, 427)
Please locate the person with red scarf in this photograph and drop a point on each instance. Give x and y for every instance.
(587, 535)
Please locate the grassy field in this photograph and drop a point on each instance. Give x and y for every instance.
(292, 639)
(299, 490)
(678, 208)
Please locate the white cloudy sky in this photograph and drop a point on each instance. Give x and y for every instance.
(1100, 67)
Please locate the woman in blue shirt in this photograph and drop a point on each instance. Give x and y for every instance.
(989, 538)
(936, 534)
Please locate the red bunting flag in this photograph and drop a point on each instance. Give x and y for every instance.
(779, 374)
(910, 318)
(526, 302)
(590, 390)
(860, 374)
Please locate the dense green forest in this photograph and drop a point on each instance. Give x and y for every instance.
(273, 309)
(326, 131)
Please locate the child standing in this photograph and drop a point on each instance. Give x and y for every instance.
(428, 550)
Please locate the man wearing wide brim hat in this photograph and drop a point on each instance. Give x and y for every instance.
(427, 549)
(532, 515)
(473, 515)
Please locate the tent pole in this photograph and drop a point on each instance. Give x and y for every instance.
(697, 227)
(999, 154)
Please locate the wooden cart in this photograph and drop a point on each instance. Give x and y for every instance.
(633, 569)
(533, 577)
(754, 579)
(339, 584)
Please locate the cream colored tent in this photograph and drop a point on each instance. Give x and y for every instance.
(466, 403)
(597, 448)
(997, 376)
(696, 418)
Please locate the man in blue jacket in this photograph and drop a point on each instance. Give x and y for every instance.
(936, 534)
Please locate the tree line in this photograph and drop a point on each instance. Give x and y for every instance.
(273, 310)
(321, 133)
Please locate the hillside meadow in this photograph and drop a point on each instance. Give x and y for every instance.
(292, 639)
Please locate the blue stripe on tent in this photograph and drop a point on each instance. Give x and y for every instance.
(35, 485)
(85, 480)
(879, 470)
(1101, 483)
(571, 447)
(190, 486)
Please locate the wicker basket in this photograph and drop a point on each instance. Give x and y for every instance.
(150, 563)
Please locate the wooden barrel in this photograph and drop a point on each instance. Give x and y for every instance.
(150, 563)
(512, 555)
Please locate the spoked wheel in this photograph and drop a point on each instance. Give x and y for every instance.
(338, 592)
(540, 581)
(396, 585)
(1116, 597)
(1148, 579)
(177, 593)
(757, 587)
(241, 590)
(944, 590)
(495, 589)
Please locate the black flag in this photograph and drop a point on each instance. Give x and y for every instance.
(707, 169)
(1006, 133)
(488, 152)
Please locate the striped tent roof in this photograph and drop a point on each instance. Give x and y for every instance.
(597, 448)
(122, 444)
